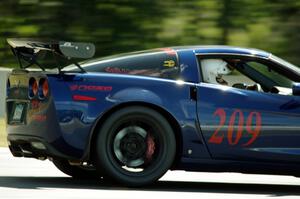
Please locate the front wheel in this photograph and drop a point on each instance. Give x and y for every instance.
(135, 146)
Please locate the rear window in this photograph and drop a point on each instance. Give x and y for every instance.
(161, 63)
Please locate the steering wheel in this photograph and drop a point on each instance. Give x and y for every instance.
(254, 87)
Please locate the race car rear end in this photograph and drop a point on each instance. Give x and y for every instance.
(37, 116)
(31, 117)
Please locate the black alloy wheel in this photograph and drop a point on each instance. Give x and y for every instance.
(135, 146)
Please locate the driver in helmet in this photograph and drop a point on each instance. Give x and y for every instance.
(214, 69)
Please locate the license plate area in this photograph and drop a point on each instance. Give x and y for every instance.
(18, 113)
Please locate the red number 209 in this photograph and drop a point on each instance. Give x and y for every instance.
(218, 136)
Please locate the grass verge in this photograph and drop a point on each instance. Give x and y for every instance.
(3, 142)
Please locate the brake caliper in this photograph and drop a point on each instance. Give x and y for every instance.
(150, 147)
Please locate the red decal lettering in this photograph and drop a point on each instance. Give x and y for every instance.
(35, 104)
(90, 88)
(39, 118)
(116, 70)
(253, 132)
(73, 87)
(169, 51)
(99, 88)
(215, 138)
(231, 127)
(82, 87)
(107, 88)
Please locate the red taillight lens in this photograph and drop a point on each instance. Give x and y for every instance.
(33, 88)
(43, 88)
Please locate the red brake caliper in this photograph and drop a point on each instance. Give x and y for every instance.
(150, 148)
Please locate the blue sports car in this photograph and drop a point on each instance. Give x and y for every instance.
(132, 117)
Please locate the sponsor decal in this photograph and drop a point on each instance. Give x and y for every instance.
(83, 98)
(116, 70)
(251, 129)
(39, 118)
(169, 63)
(35, 104)
(168, 51)
(76, 87)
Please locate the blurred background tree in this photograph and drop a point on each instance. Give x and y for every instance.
(129, 25)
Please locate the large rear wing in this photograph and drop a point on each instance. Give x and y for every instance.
(29, 50)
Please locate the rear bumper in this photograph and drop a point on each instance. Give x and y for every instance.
(49, 127)
(33, 147)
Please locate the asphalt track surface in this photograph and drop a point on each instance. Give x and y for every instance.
(30, 178)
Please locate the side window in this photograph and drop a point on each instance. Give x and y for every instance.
(244, 73)
(161, 64)
(220, 71)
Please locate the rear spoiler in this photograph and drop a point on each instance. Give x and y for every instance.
(29, 49)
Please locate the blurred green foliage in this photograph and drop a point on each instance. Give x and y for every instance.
(129, 25)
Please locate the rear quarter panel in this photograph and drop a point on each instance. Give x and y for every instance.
(111, 90)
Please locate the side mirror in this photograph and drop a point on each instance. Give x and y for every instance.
(296, 89)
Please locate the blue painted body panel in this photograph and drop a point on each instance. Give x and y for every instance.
(279, 136)
(70, 124)
(168, 94)
(189, 66)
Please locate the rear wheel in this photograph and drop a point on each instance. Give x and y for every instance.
(80, 172)
(135, 146)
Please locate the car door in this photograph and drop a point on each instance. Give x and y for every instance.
(239, 124)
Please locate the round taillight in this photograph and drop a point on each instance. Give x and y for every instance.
(33, 88)
(43, 88)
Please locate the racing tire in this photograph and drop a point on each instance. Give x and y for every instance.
(78, 172)
(135, 146)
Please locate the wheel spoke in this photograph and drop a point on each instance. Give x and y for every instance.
(130, 146)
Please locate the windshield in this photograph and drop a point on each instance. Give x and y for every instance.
(270, 75)
(285, 63)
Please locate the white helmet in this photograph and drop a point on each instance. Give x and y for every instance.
(213, 69)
